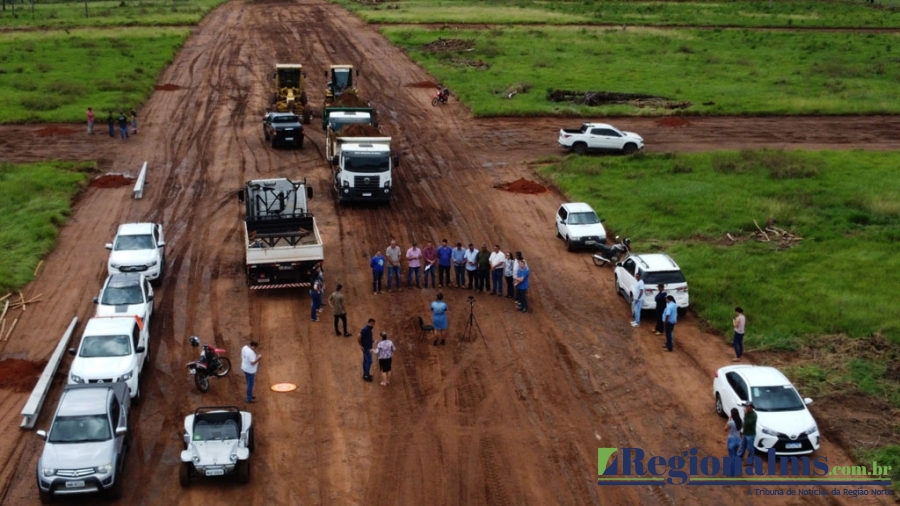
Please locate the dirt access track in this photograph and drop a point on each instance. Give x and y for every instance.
(514, 418)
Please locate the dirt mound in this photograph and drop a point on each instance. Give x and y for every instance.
(443, 45)
(522, 185)
(672, 121)
(360, 131)
(166, 87)
(111, 181)
(51, 130)
(422, 84)
(348, 99)
(597, 98)
(20, 375)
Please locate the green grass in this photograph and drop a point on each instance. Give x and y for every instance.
(54, 76)
(788, 14)
(107, 13)
(719, 71)
(885, 455)
(835, 281)
(35, 200)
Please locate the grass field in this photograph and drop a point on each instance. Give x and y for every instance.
(54, 76)
(35, 200)
(787, 14)
(718, 71)
(106, 13)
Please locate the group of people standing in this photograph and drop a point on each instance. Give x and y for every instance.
(122, 121)
(481, 270)
(741, 435)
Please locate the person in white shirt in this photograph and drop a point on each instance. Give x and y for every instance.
(385, 351)
(637, 299)
(498, 264)
(471, 258)
(249, 364)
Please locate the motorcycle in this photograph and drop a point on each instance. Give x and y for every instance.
(441, 97)
(210, 364)
(611, 254)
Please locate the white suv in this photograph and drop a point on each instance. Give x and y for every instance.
(138, 247)
(655, 269)
(579, 226)
(112, 349)
(126, 295)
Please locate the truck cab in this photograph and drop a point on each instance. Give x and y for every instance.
(363, 169)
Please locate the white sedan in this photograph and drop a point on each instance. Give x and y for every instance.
(783, 420)
(138, 247)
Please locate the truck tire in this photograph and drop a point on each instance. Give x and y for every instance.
(274, 143)
(300, 142)
(184, 474)
(243, 472)
(46, 497)
(569, 245)
(303, 100)
(629, 148)
(266, 134)
(579, 148)
(307, 116)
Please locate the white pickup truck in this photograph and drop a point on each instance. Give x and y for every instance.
(599, 137)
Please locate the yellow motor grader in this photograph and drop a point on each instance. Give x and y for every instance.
(289, 94)
(340, 84)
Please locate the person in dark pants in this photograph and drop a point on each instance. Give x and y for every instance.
(522, 286)
(471, 257)
(739, 323)
(660, 308)
(483, 278)
(250, 364)
(377, 265)
(445, 259)
(670, 318)
(112, 125)
(123, 125)
(315, 300)
(366, 343)
(336, 301)
(508, 270)
(459, 264)
(749, 431)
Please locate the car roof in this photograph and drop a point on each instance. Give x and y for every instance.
(600, 125)
(123, 279)
(656, 262)
(279, 114)
(760, 375)
(578, 207)
(109, 326)
(84, 401)
(136, 228)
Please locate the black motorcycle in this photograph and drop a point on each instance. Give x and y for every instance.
(611, 254)
(210, 364)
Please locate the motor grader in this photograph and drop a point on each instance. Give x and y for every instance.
(289, 94)
(340, 82)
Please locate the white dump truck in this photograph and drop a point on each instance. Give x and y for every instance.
(361, 158)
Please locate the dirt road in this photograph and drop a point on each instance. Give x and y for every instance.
(513, 418)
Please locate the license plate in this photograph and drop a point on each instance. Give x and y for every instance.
(215, 472)
(367, 194)
(285, 267)
(75, 484)
(590, 243)
(288, 139)
(793, 446)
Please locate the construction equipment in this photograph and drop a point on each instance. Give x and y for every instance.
(360, 155)
(341, 81)
(289, 94)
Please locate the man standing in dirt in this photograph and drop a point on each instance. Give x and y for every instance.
(660, 308)
(429, 254)
(377, 265)
(471, 257)
(90, 120)
(336, 301)
(134, 122)
(123, 125)
(749, 431)
(498, 264)
(637, 299)
(392, 253)
(739, 322)
(458, 256)
(445, 257)
(483, 281)
(670, 318)
(522, 284)
(315, 296)
(249, 364)
(365, 343)
(414, 256)
(112, 125)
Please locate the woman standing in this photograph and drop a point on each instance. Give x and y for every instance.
(733, 428)
(385, 352)
(508, 272)
(439, 318)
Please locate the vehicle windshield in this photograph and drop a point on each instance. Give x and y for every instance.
(367, 164)
(778, 398)
(80, 429)
(134, 242)
(105, 346)
(588, 218)
(662, 277)
(337, 123)
(117, 296)
(342, 78)
(211, 431)
(285, 119)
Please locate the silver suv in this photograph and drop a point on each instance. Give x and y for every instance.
(85, 447)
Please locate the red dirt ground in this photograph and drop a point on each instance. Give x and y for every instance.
(111, 181)
(522, 185)
(672, 121)
(52, 130)
(20, 375)
(422, 84)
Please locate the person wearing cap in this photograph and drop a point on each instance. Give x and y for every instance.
(249, 365)
(748, 431)
(384, 350)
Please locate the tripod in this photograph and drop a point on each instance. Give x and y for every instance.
(472, 322)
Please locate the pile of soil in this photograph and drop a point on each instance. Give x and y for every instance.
(522, 185)
(51, 130)
(20, 375)
(167, 87)
(111, 181)
(350, 99)
(597, 98)
(443, 45)
(360, 130)
(422, 84)
(673, 122)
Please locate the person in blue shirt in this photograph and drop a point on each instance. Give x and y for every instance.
(670, 318)
(445, 256)
(377, 265)
(522, 286)
(439, 319)
(458, 256)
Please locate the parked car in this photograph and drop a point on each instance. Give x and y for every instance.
(218, 441)
(126, 294)
(283, 128)
(579, 226)
(599, 137)
(86, 445)
(783, 420)
(655, 269)
(138, 247)
(112, 349)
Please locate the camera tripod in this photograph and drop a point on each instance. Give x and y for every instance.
(472, 323)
